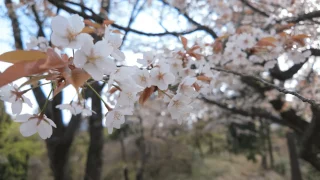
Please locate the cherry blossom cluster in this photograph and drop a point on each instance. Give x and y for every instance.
(175, 77)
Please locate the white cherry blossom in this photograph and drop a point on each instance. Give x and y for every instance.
(32, 124)
(161, 77)
(116, 117)
(94, 59)
(115, 40)
(66, 32)
(245, 41)
(41, 43)
(127, 98)
(148, 59)
(76, 108)
(186, 87)
(179, 106)
(142, 78)
(12, 94)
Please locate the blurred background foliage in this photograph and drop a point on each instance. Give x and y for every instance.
(227, 152)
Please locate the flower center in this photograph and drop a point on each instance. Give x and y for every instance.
(117, 116)
(160, 76)
(71, 36)
(143, 79)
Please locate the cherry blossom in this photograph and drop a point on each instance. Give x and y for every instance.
(148, 59)
(11, 93)
(127, 98)
(32, 124)
(161, 77)
(76, 108)
(66, 32)
(179, 106)
(41, 43)
(142, 78)
(94, 59)
(116, 117)
(186, 87)
(246, 41)
(115, 40)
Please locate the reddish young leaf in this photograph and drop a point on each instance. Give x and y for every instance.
(204, 78)
(20, 70)
(146, 94)
(267, 41)
(108, 22)
(21, 56)
(113, 90)
(79, 77)
(92, 24)
(300, 38)
(54, 60)
(88, 30)
(184, 42)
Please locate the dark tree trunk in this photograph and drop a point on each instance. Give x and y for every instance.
(263, 142)
(15, 25)
(123, 155)
(58, 145)
(270, 150)
(294, 163)
(94, 160)
(142, 149)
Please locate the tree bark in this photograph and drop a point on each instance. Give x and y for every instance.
(15, 25)
(142, 149)
(94, 160)
(294, 163)
(270, 150)
(58, 145)
(123, 155)
(264, 163)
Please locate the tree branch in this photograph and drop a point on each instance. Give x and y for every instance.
(260, 114)
(254, 8)
(95, 17)
(280, 89)
(199, 26)
(288, 74)
(303, 17)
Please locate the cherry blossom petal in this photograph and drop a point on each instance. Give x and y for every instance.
(79, 59)
(16, 107)
(162, 85)
(22, 118)
(169, 78)
(76, 23)
(44, 130)
(59, 25)
(93, 71)
(80, 40)
(103, 49)
(50, 122)
(106, 66)
(58, 40)
(110, 130)
(115, 40)
(27, 101)
(29, 128)
(118, 55)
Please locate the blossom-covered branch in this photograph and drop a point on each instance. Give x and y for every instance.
(280, 89)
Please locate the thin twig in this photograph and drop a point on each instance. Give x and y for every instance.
(99, 19)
